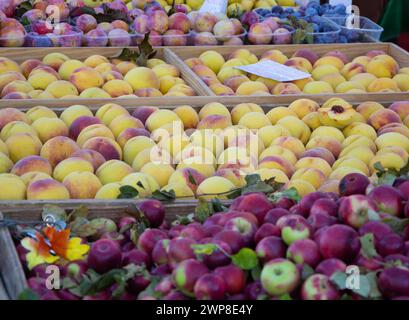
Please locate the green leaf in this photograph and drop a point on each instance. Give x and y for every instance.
(396, 224)
(150, 290)
(80, 212)
(374, 292)
(164, 195)
(204, 249)
(379, 168)
(184, 220)
(146, 52)
(203, 210)
(373, 215)
(256, 272)
(364, 287)
(53, 214)
(218, 205)
(81, 227)
(245, 259)
(299, 36)
(339, 279)
(306, 272)
(192, 179)
(136, 230)
(234, 193)
(252, 178)
(28, 294)
(285, 297)
(128, 192)
(368, 246)
(260, 186)
(290, 193)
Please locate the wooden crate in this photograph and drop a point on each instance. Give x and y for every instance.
(11, 270)
(352, 50)
(27, 210)
(3, 292)
(21, 54)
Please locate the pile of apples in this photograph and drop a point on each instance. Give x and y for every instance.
(256, 249)
(202, 153)
(333, 72)
(58, 76)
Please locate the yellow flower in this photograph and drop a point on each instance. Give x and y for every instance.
(39, 252)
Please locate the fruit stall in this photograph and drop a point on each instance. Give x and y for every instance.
(150, 150)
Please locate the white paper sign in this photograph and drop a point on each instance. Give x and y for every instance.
(214, 6)
(275, 71)
(344, 2)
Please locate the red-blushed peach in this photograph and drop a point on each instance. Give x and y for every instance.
(108, 147)
(48, 128)
(8, 77)
(303, 187)
(29, 65)
(80, 124)
(92, 156)
(69, 165)
(123, 122)
(235, 176)
(70, 114)
(109, 112)
(215, 121)
(338, 54)
(366, 109)
(191, 62)
(277, 162)
(57, 149)
(276, 150)
(32, 163)
(113, 171)
(129, 133)
(10, 114)
(394, 127)
(47, 189)
(313, 162)
(221, 90)
(285, 88)
(290, 143)
(401, 108)
(302, 107)
(330, 186)
(299, 63)
(382, 117)
(143, 112)
(312, 175)
(117, 87)
(213, 108)
(95, 130)
(383, 85)
(38, 112)
(82, 185)
(148, 92)
(16, 189)
(22, 145)
(15, 127)
(329, 143)
(308, 54)
(320, 152)
(242, 109)
(351, 69)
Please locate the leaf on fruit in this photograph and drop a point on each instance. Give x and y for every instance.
(368, 249)
(255, 184)
(184, 220)
(28, 294)
(290, 193)
(374, 292)
(128, 192)
(339, 279)
(192, 180)
(299, 36)
(306, 272)
(80, 212)
(146, 51)
(164, 195)
(110, 15)
(285, 297)
(136, 230)
(218, 206)
(52, 214)
(203, 210)
(172, 9)
(252, 179)
(234, 193)
(256, 272)
(385, 176)
(21, 9)
(150, 290)
(396, 224)
(245, 259)
(204, 249)
(373, 215)
(81, 227)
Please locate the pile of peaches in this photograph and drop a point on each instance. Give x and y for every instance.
(196, 152)
(334, 72)
(58, 76)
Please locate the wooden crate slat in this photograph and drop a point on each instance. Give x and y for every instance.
(10, 267)
(3, 293)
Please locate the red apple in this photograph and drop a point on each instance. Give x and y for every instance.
(104, 255)
(266, 230)
(234, 277)
(394, 282)
(353, 210)
(330, 266)
(353, 183)
(186, 274)
(270, 248)
(319, 287)
(304, 251)
(210, 287)
(387, 199)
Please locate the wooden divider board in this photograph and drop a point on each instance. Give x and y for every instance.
(176, 55)
(3, 293)
(11, 271)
